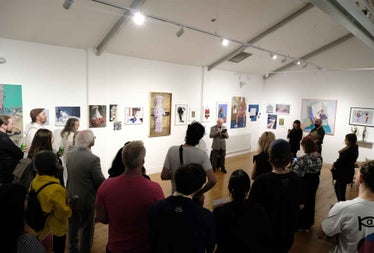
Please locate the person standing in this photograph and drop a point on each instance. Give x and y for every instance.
(295, 134)
(308, 167)
(261, 164)
(317, 134)
(279, 192)
(38, 119)
(84, 178)
(343, 168)
(188, 153)
(10, 154)
(218, 154)
(349, 223)
(123, 202)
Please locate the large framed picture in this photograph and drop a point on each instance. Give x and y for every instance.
(325, 110)
(360, 116)
(160, 113)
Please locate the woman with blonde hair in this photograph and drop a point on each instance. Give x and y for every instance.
(261, 162)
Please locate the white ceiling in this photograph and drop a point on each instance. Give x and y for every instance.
(86, 23)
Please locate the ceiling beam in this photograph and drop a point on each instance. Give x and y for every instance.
(311, 54)
(347, 13)
(261, 35)
(136, 4)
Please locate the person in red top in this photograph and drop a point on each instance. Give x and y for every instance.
(123, 202)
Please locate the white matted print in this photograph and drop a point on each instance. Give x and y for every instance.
(193, 116)
(134, 115)
(181, 112)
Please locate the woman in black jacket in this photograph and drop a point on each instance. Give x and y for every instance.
(295, 135)
(344, 167)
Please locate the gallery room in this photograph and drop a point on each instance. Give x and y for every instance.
(284, 61)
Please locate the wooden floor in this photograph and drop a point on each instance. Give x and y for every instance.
(304, 242)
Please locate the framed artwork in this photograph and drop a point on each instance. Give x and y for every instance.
(325, 110)
(97, 115)
(269, 108)
(238, 112)
(134, 115)
(193, 114)
(63, 113)
(160, 112)
(360, 116)
(117, 125)
(282, 109)
(113, 113)
(281, 122)
(11, 104)
(253, 111)
(181, 112)
(222, 111)
(272, 121)
(206, 113)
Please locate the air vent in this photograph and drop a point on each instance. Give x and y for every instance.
(239, 57)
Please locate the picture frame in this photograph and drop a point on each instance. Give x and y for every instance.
(282, 109)
(181, 112)
(134, 115)
(63, 113)
(318, 108)
(222, 109)
(253, 111)
(193, 115)
(97, 116)
(160, 114)
(361, 116)
(238, 112)
(271, 122)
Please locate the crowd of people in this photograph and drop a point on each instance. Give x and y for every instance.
(260, 217)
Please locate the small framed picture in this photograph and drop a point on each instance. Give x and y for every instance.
(181, 112)
(360, 116)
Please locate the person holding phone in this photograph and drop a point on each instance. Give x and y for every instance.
(219, 134)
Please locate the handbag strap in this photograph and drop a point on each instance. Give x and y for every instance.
(181, 154)
(41, 188)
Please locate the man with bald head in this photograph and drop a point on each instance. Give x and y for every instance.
(317, 134)
(219, 134)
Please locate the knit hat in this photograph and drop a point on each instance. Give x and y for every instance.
(280, 149)
(34, 113)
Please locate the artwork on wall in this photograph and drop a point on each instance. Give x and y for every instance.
(272, 121)
(117, 125)
(238, 112)
(325, 110)
(253, 111)
(160, 112)
(193, 114)
(11, 104)
(181, 112)
(282, 109)
(206, 116)
(222, 111)
(134, 115)
(281, 122)
(360, 116)
(269, 108)
(97, 115)
(113, 113)
(63, 113)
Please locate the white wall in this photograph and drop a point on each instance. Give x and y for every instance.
(56, 76)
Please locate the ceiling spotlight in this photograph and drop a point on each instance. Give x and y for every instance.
(2, 60)
(284, 60)
(298, 62)
(224, 42)
(266, 75)
(305, 64)
(180, 32)
(138, 18)
(67, 4)
(273, 56)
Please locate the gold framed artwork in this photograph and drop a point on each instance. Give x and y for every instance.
(160, 114)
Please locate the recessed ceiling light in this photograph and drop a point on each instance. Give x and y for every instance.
(225, 42)
(138, 18)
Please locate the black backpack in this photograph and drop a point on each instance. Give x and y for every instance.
(35, 217)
